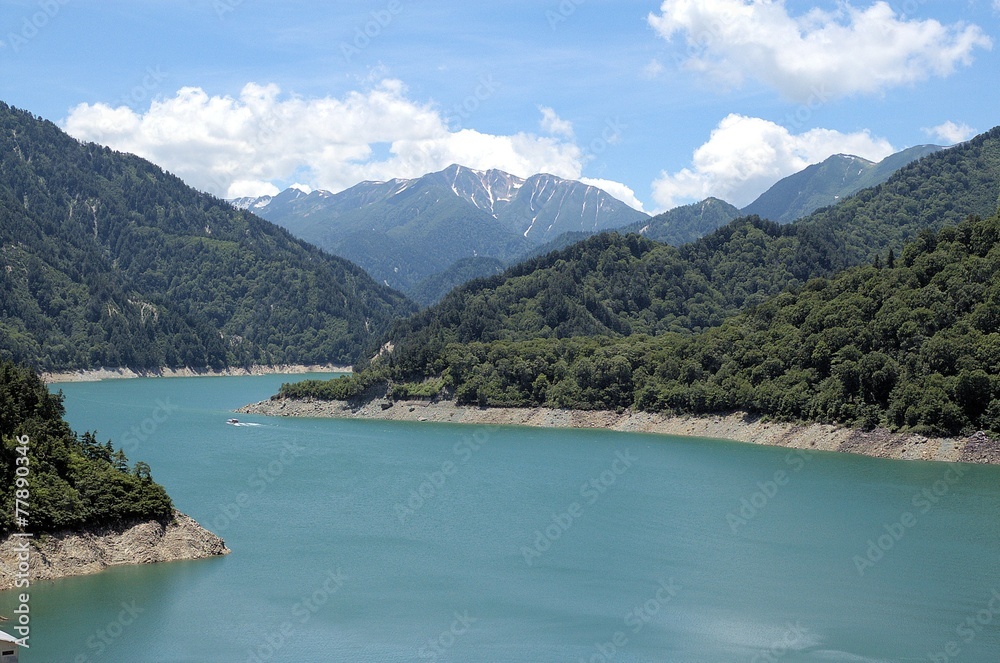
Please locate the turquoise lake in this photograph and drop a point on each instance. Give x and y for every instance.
(366, 541)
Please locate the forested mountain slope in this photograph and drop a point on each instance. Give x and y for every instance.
(405, 230)
(909, 342)
(686, 224)
(829, 182)
(106, 260)
(620, 285)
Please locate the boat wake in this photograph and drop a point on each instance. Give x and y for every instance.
(236, 422)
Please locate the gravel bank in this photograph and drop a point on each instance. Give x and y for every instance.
(738, 426)
(119, 373)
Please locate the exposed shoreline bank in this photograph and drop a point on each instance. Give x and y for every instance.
(67, 554)
(739, 426)
(97, 374)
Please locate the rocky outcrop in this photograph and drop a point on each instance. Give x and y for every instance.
(739, 426)
(65, 554)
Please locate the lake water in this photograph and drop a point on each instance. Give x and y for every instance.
(364, 541)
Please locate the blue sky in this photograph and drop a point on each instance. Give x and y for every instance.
(662, 102)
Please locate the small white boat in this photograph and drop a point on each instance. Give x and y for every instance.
(232, 421)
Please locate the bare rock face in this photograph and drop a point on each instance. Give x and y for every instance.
(980, 448)
(65, 554)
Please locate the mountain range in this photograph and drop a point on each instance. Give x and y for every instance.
(879, 311)
(405, 230)
(410, 233)
(829, 182)
(106, 260)
(793, 197)
(621, 285)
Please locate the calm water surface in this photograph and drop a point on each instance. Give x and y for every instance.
(378, 542)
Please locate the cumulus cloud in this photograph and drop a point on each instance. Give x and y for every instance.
(257, 142)
(616, 189)
(744, 156)
(950, 132)
(554, 125)
(820, 53)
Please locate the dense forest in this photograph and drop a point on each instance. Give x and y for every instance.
(910, 341)
(685, 224)
(614, 285)
(106, 260)
(75, 482)
(433, 288)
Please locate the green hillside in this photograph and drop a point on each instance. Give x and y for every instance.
(689, 223)
(828, 183)
(909, 342)
(433, 288)
(106, 260)
(621, 285)
(74, 481)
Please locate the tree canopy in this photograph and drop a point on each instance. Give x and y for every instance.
(106, 260)
(912, 343)
(74, 481)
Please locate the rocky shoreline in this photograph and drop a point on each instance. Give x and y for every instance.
(94, 375)
(66, 554)
(737, 426)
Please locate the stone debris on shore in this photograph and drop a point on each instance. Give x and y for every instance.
(65, 554)
(739, 426)
(97, 374)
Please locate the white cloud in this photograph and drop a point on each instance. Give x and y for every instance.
(554, 125)
(951, 133)
(819, 53)
(254, 143)
(654, 68)
(616, 189)
(744, 156)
